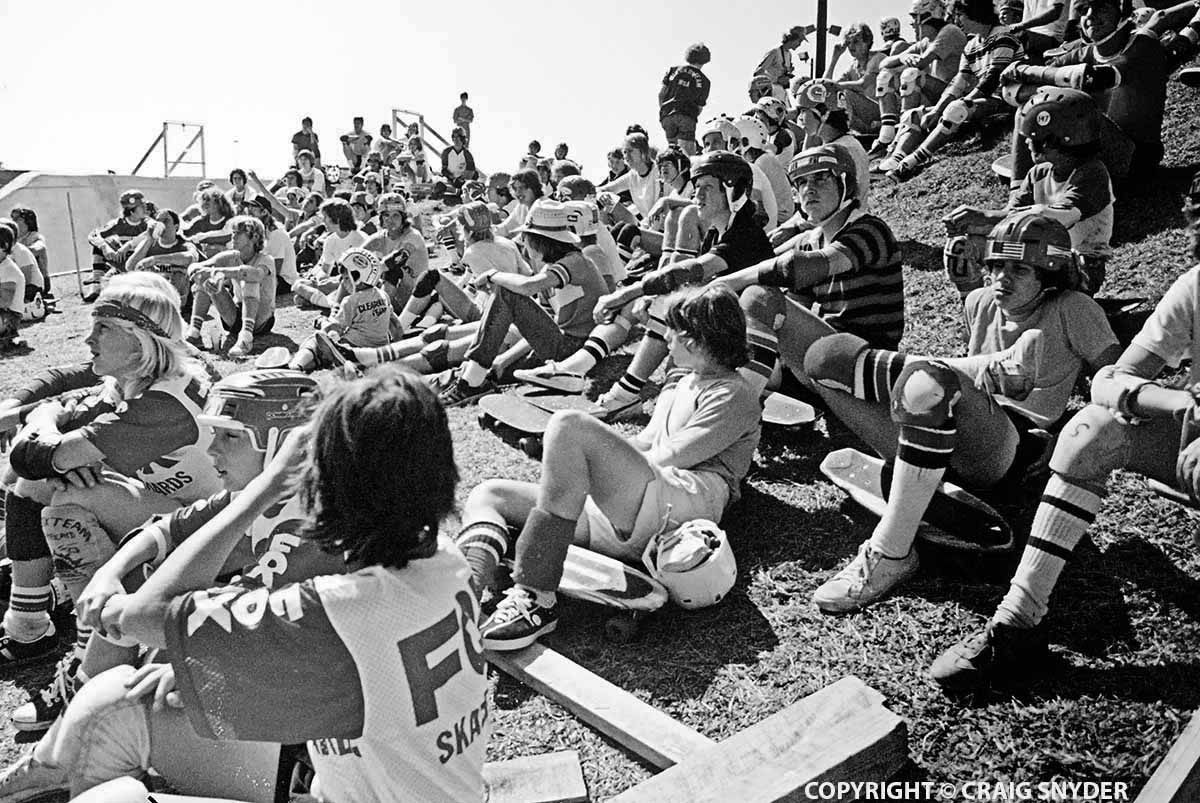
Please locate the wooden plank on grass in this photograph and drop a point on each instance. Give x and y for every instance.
(549, 778)
(1177, 779)
(842, 732)
(613, 711)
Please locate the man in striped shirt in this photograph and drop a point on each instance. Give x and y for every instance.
(843, 275)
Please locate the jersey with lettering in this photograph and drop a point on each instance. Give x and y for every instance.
(271, 554)
(684, 91)
(380, 671)
(155, 438)
(363, 317)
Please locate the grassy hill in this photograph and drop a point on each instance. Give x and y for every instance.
(1125, 623)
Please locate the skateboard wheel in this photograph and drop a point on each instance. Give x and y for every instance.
(531, 446)
(486, 421)
(621, 629)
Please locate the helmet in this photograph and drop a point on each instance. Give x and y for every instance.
(925, 10)
(694, 562)
(719, 125)
(475, 217)
(821, 95)
(363, 266)
(333, 173)
(1031, 239)
(752, 133)
(1069, 116)
(773, 108)
(266, 404)
(583, 217)
(832, 158)
(132, 198)
(474, 190)
(731, 170)
(889, 28)
(760, 85)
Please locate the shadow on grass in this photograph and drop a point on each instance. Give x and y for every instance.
(919, 256)
(1148, 207)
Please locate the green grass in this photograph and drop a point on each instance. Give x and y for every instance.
(1125, 623)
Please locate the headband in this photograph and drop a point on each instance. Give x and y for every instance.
(124, 312)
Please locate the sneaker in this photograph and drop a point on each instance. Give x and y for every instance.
(30, 779)
(997, 651)
(552, 377)
(44, 706)
(194, 336)
(91, 290)
(460, 393)
(517, 622)
(867, 579)
(15, 653)
(907, 169)
(878, 150)
(617, 405)
(242, 347)
(885, 165)
(330, 349)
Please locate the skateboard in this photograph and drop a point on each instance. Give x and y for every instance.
(527, 410)
(1003, 167)
(603, 580)
(784, 411)
(952, 510)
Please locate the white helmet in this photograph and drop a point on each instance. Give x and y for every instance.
(719, 125)
(694, 562)
(773, 108)
(925, 10)
(753, 134)
(583, 217)
(363, 266)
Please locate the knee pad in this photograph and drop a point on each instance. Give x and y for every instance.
(1091, 445)
(831, 360)
(887, 81)
(910, 82)
(911, 119)
(427, 283)
(78, 543)
(23, 528)
(963, 259)
(954, 115)
(765, 307)
(437, 354)
(435, 333)
(925, 394)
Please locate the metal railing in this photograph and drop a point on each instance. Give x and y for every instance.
(163, 137)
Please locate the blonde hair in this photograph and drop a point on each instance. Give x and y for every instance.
(163, 355)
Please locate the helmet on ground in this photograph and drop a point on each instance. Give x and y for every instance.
(752, 133)
(731, 170)
(925, 10)
(719, 125)
(889, 28)
(821, 95)
(363, 266)
(267, 404)
(1031, 239)
(833, 159)
(1069, 116)
(773, 108)
(583, 217)
(694, 562)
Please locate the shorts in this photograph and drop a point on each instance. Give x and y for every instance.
(679, 127)
(674, 496)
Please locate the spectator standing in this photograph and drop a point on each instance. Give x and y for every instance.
(306, 140)
(682, 97)
(464, 115)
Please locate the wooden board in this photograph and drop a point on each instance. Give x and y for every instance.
(1177, 779)
(616, 713)
(549, 778)
(842, 732)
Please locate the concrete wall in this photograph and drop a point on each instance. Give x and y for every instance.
(93, 202)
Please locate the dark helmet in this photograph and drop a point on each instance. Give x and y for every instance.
(731, 170)
(266, 404)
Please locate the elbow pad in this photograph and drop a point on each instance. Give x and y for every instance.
(32, 456)
(667, 280)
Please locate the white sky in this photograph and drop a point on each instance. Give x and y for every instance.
(86, 84)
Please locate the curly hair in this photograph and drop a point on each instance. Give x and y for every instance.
(859, 32)
(252, 227)
(697, 54)
(214, 195)
(26, 215)
(380, 475)
(530, 180)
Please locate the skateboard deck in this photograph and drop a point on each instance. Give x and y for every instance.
(600, 579)
(957, 519)
(1003, 167)
(528, 410)
(554, 401)
(785, 411)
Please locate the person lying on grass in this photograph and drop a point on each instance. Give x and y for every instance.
(613, 494)
(345, 661)
(1029, 339)
(1133, 423)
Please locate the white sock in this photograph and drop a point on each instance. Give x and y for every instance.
(473, 373)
